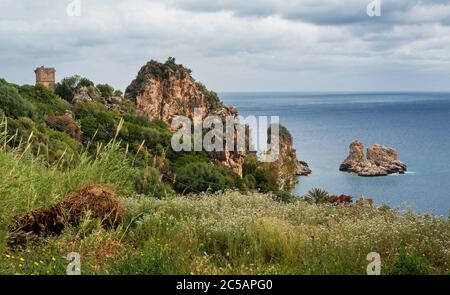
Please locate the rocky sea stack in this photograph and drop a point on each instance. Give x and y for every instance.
(380, 160)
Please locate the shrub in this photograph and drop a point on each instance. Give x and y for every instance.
(67, 87)
(46, 102)
(96, 119)
(65, 124)
(412, 264)
(199, 177)
(118, 92)
(13, 104)
(149, 181)
(106, 90)
(317, 195)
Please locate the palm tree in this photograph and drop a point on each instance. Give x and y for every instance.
(317, 194)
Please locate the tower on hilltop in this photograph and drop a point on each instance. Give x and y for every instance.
(46, 77)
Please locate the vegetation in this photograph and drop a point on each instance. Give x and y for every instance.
(67, 87)
(184, 214)
(209, 233)
(106, 90)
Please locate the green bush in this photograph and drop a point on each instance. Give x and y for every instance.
(149, 182)
(65, 124)
(13, 104)
(412, 264)
(46, 102)
(199, 177)
(96, 119)
(106, 90)
(67, 87)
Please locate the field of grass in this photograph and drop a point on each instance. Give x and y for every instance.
(211, 233)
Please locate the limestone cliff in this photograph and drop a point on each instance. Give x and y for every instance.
(287, 165)
(380, 160)
(163, 91)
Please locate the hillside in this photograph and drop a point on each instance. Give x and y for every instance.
(180, 212)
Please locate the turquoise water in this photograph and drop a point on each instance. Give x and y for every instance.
(324, 124)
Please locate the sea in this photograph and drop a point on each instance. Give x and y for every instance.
(324, 124)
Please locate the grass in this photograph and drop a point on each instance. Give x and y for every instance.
(222, 233)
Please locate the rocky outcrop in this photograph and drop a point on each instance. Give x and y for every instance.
(233, 159)
(380, 160)
(287, 165)
(86, 94)
(164, 91)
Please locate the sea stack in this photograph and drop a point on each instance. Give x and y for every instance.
(380, 160)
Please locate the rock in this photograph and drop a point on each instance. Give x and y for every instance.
(164, 91)
(380, 160)
(287, 165)
(86, 94)
(302, 169)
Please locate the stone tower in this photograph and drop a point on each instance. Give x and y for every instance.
(46, 77)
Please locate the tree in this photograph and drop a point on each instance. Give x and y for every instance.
(67, 87)
(118, 92)
(106, 90)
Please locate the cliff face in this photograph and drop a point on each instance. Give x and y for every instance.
(287, 165)
(164, 91)
(380, 160)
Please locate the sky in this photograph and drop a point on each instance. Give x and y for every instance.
(257, 45)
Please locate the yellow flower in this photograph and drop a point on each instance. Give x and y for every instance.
(8, 256)
(20, 265)
(53, 258)
(41, 262)
(35, 263)
(22, 259)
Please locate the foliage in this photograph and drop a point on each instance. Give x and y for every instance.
(199, 176)
(45, 101)
(66, 124)
(118, 92)
(209, 233)
(106, 90)
(261, 175)
(13, 104)
(96, 120)
(213, 101)
(410, 264)
(68, 86)
(149, 182)
(158, 70)
(316, 195)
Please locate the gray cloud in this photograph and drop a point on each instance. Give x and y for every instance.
(235, 45)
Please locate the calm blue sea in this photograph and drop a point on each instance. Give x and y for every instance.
(324, 124)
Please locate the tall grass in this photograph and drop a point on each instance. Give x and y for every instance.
(28, 182)
(234, 233)
(222, 233)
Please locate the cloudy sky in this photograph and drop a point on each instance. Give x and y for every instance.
(258, 45)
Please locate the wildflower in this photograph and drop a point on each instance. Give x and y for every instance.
(22, 259)
(41, 262)
(20, 264)
(8, 256)
(35, 263)
(53, 258)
